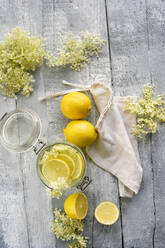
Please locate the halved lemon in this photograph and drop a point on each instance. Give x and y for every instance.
(76, 206)
(78, 167)
(106, 213)
(68, 160)
(52, 169)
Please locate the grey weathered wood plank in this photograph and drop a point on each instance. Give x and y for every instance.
(77, 16)
(25, 210)
(13, 228)
(38, 207)
(156, 32)
(130, 69)
(13, 222)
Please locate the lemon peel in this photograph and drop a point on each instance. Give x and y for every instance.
(76, 206)
(75, 105)
(80, 133)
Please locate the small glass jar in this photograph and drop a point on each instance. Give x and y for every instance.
(20, 130)
(39, 166)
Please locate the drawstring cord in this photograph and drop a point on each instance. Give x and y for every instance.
(84, 87)
(107, 107)
(80, 88)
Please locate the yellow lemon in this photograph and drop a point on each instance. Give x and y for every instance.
(75, 105)
(80, 133)
(107, 213)
(52, 169)
(76, 206)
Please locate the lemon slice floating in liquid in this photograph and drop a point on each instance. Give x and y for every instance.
(55, 168)
(68, 160)
(78, 167)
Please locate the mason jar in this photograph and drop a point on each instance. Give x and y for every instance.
(20, 130)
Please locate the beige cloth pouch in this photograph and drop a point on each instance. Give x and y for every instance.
(116, 149)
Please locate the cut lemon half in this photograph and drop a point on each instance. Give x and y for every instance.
(106, 213)
(55, 168)
(76, 206)
(78, 161)
(69, 161)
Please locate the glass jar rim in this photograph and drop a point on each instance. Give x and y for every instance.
(32, 137)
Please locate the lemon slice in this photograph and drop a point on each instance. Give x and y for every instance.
(78, 167)
(69, 161)
(76, 206)
(55, 168)
(50, 157)
(106, 213)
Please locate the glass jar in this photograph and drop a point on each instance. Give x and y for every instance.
(20, 130)
(47, 148)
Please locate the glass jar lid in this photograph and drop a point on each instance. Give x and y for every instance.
(19, 130)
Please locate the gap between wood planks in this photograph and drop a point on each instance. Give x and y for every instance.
(111, 68)
(23, 187)
(110, 62)
(148, 44)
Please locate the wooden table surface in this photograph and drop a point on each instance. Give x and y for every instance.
(134, 55)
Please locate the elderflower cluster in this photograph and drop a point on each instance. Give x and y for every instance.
(68, 229)
(20, 53)
(149, 111)
(76, 50)
(57, 188)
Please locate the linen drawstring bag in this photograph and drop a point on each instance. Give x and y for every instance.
(116, 149)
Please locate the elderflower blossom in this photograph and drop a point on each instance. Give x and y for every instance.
(20, 53)
(57, 188)
(76, 50)
(68, 229)
(149, 112)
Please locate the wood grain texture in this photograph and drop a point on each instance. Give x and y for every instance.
(38, 207)
(78, 16)
(156, 33)
(133, 55)
(13, 223)
(130, 70)
(13, 226)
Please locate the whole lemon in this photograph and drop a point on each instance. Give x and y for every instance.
(75, 105)
(80, 133)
